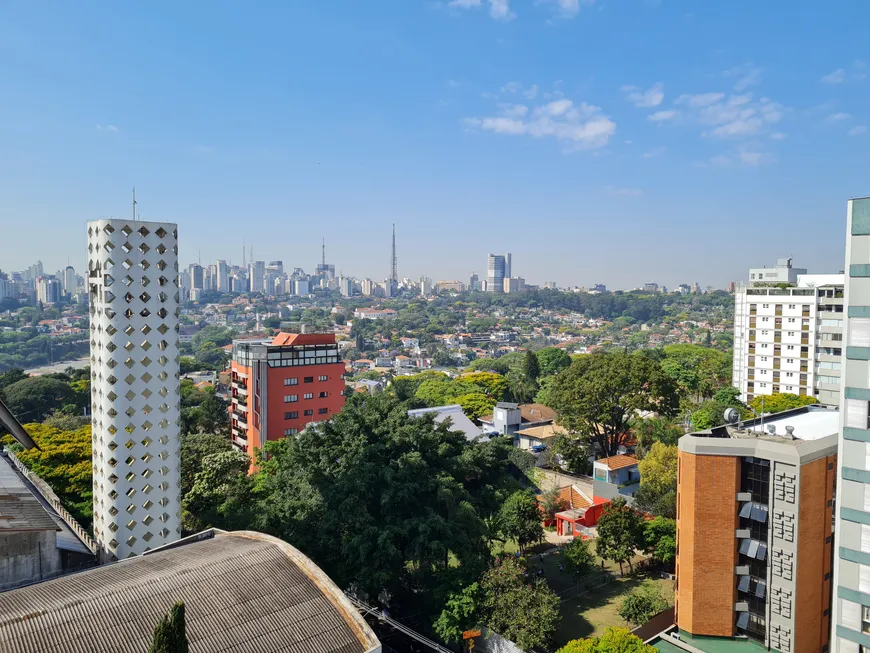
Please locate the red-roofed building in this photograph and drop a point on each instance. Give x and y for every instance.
(581, 510)
(280, 385)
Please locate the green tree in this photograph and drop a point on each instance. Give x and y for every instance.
(187, 364)
(63, 460)
(778, 402)
(460, 614)
(574, 453)
(552, 360)
(642, 604)
(614, 640)
(476, 404)
(195, 448)
(210, 356)
(578, 557)
(649, 430)
(493, 385)
(527, 613)
(658, 469)
(653, 502)
(620, 533)
(522, 389)
(698, 370)
(33, 398)
(711, 413)
(660, 539)
(531, 366)
(520, 519)
(9, 377)
(212, 416)
(170, 635)
(212, 484)
(599, 395)
(553, 503)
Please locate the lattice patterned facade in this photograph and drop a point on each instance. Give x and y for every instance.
(135, 397)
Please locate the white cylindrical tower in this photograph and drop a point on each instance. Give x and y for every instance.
(135, 393)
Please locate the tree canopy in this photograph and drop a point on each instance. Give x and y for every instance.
(598, 396)
(170, 635)
(614, 640)
(778, 402)
(520, 519)
(620, 532)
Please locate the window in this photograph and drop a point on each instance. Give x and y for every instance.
(764, 359)
(308, 395)
(789, 374)
(790, 347)
(859, 332)
(294, 414)
(323, 378)
(322, 411)
(323, 395)
(865, 620)
(791, 319)
(792, 307)
(764, 319)
(290, 398)
(309, 379)
(291, 431)
(293, 381)
(309, 412)
(765, 306)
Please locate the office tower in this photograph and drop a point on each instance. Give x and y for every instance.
(754, 533)
(301, 286)
(48, 290)
(789, 339)
(453, 286)
(514, 284)
(70, 282)
(345, 286)
(426, 286)
(257, 275)
(368, 287)
(851, 614)
(222, 283)
(495, 276)
(135, 394)
(550, 285)
(282, 384)
(196, 276)
(474, 282)
(508, 271)
(276, 267)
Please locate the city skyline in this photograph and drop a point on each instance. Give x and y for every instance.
(544, 123)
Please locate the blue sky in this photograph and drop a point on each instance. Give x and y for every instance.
(615, 141)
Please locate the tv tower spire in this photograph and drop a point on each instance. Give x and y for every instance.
(394, 273)
(323, 253)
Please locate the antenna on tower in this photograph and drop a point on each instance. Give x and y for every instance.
(323, 253)
(134, 203)
(243, 253)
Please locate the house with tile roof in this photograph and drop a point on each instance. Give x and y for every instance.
(615, 476)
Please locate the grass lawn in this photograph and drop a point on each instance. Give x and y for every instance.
(588, 615)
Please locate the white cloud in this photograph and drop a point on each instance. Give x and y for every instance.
(739, 116)
(837, 76)
(747, 75)
(777, 136)
(652, 97)
(623, 192)
(659, 116)
(108, 128)
(658, 151)
(700, 100)
(530, 93)
(578, 126)
(857, 131)
(569, 8)
(835, 117)
(498, 9)
(750, 158)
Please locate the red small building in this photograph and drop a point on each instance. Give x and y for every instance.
(582, 510)
(280, 385)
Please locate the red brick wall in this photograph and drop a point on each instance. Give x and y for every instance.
(707, 518)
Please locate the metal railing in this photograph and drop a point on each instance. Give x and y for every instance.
(48, 494)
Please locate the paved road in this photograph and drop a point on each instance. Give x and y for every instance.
(60, 367)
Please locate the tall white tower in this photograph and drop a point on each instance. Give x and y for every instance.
(135, 394)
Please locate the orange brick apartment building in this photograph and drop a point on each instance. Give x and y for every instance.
(280, 385)
(754, 532)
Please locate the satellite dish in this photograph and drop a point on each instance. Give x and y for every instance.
(732, 415)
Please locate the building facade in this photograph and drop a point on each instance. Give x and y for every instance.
(281, 385)
(495, 273)
(790, 339)
(135, 392)
(754, 532)
(782, 272)
(851, 616)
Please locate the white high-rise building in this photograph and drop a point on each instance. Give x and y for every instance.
(223, 277)
(850, 618)
(426, 286)
(496, 265)
(48, 290)
(257, 275)
(135, 395)
(70, 283)
(789, 339)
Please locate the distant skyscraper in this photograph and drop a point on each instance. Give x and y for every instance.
(48, 290)
(70, 282)
(345, 286)
(223, 277)
(134, 305)
(474, 282)
(368, 287)
(257, 275)
(426, 286)
(508, 271)
(196, 276)
(496, 273)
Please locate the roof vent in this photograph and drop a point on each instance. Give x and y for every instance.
(789, 430)
(771, 428)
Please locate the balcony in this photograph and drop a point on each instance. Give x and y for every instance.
(240, 424)
(241, 417)
(776, 364)
(805, 355)
(805, 327)
(805, 340)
